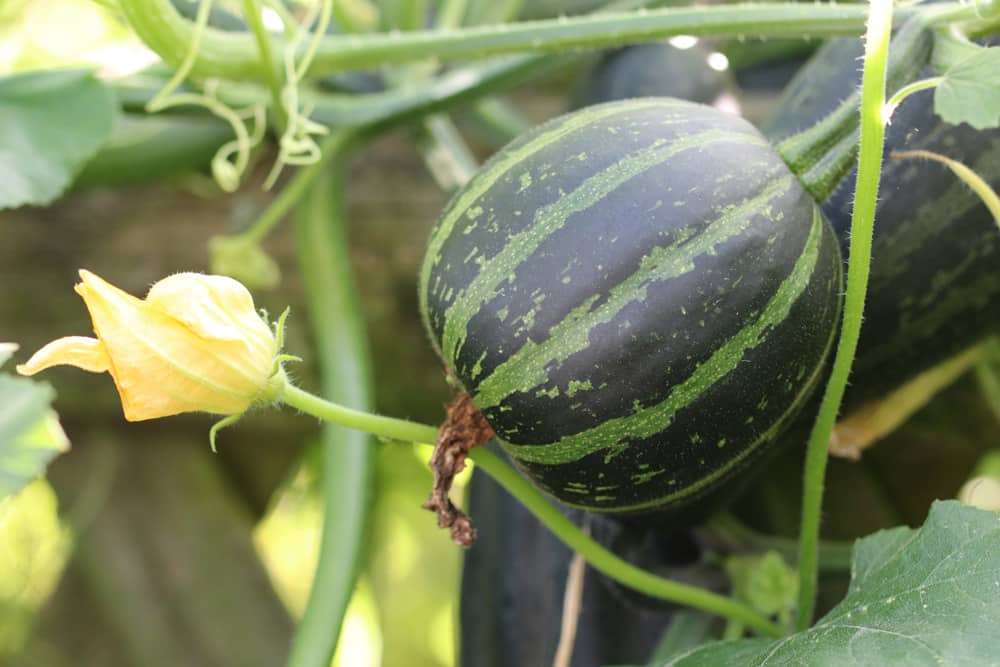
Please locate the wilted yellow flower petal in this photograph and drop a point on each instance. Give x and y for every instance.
(195, 343)
(79, 351)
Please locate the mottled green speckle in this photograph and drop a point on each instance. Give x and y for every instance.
(646, 477)
(525, 182)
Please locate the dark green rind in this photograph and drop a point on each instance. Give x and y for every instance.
(671, 454)
(935, 287)
(652, 69)
(637, 296)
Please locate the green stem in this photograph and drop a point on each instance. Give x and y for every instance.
(347, 456)
(734, 535)
(234, 55)
(386, 427)
(445, 152)
(376, 111)
(509, 10)
(252, 10)
(733, 630)
(975, 182)
(500, 121)
(907, 90)
(451, 13)
(605, 561)
(989, 379)
(599, 558)
(862, 224)
(354, 16)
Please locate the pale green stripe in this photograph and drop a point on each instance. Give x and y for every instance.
(614, 434)
(529, 368)
(552, 217)
(805, 391)
(515, 158)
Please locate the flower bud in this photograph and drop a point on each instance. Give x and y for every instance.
(195, 343)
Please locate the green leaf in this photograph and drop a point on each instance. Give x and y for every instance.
(970, 91)
(729, 653)
(929, 596)
(30, 435)
(765, 582)
(51, 123)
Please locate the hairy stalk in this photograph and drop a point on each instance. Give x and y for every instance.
(862, 224)
(822, 155)
(906, 91)
(234, 55)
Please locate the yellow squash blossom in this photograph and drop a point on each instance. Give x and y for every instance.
(195, 343)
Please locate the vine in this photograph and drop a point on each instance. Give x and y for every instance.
(862, 226)
(235, 56)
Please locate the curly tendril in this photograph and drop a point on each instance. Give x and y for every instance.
(231, 160)
(297, 145)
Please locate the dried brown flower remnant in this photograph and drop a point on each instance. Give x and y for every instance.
(463, 428)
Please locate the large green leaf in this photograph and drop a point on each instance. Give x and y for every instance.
(30, 435)
(51, 123)
(970, 91)
(929, 596)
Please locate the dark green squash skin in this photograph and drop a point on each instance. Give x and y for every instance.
(654, 69)
(934, 288)
(638, 297)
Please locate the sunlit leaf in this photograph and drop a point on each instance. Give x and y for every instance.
(928, 596)
(51, 123)
(30, 435)
(970, 91)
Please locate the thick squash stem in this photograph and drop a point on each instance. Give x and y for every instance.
(236, 56)
(823, 155)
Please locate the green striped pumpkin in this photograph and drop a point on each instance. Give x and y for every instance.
(638, 297)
